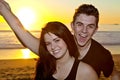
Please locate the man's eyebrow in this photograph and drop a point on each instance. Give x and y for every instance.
(88, 24)
(92, 24)
(79, 22)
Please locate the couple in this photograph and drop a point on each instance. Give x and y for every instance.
(60, 57)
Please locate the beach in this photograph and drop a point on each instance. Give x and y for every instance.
(17, 69)
(24, 69)
(116, 58)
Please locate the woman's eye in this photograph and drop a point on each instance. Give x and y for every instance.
(57, 40)
(47, 44)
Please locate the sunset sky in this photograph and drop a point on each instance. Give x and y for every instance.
(35, 13)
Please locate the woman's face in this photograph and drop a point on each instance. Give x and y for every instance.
(55, 45)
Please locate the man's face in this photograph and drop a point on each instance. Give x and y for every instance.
(84, 27)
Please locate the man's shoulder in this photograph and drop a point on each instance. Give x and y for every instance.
(96, 45)
(99, 49)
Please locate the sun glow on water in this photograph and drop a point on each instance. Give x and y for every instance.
(28, 54)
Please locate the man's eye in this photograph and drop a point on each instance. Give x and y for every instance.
(80, 24)
(91, 26)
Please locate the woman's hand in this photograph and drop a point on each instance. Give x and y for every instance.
(4, 6)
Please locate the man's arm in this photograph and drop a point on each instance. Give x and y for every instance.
(27, 39)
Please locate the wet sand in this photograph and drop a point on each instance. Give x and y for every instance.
(17, 69)
(116, 58)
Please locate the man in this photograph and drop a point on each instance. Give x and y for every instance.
(84, 25)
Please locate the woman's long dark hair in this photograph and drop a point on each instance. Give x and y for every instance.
(46, 64)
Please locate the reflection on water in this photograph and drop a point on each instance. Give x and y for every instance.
(26, 53)
(16, 54)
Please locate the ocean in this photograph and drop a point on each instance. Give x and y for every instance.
(8, 40)
(108, 37)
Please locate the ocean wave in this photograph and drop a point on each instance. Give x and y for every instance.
(11, 46)
(108, 37)
(9, 40)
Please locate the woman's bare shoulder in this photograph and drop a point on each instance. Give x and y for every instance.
(86, 72)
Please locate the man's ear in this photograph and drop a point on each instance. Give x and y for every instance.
(72, 26)
(96, 29)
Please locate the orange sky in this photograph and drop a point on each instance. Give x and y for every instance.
(35, 13)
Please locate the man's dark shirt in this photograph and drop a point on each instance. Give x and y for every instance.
(100, 59)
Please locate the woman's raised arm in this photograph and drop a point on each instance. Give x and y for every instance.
(25, 37)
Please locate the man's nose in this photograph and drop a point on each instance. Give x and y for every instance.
(84, 30)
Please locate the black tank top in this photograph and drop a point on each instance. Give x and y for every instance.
(73, 72)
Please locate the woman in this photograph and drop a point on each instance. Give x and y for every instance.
(57, 50)
(58, 56)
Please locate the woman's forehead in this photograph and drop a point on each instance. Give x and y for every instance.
(50, 36)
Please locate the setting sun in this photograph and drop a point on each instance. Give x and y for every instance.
(27, 16)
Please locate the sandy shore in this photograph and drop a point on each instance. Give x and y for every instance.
(116, 58)
(17, 69)
(117, 61)
(23, 69)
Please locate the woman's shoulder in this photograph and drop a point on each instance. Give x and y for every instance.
(85, 67)
(85, 70)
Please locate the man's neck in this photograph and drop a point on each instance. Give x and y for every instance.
(84, 49)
